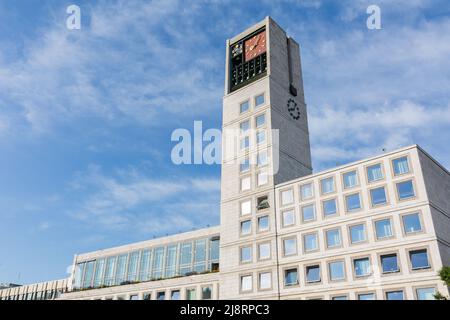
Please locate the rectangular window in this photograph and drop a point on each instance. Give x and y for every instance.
(333, 238)
(245, 143)
(245, 183)
(191, 294)
(419, 259)
(147, 296)
(329, 207)
(350, 179)
(171, 260)
(263, 178)
(339, 298)
(88, 274)
(306, 191)
(99, 269)
(394, 295)
(262, 203)
(411, 223)
(261, 158)
(186, 258)
(246, 283)
(161, 295)
(362, 267)
(337, 270)
(291, 277)
(327, 185)
(389, 263)
(313, 274)
(244, 126)
(133, 267)
(405, 190)
(366, 296)
(261, 137)
(287, 197)
(358, 233)
(289, 246)
(383, 228)
(121, 268)
(200, 255)
(353, 202)
(245, 165)
(400, 166)
(206, 293)
(308, 213)
(158, 263)
(246, 227)
(175, 295)
(260, 120)
(378, 196)
(263, 223)
(288, 218)
(425, 293)
(264, 251)
(244, 106)
(374, 173)
(310, 242)
(265, 280)
(246, 207)
(246, 254)
(259, 100)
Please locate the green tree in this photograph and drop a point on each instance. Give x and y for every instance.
(444, 274)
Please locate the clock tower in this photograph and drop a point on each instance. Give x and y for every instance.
(266, 142)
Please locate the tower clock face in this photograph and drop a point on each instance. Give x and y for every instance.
(255, 46)
(293, 109)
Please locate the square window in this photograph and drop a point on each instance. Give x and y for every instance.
(147, 296)
(291, 277)
(287, 197)
(245, 126)
(246, 207)
(260, 120)
(246, 227)
(353, 202)
(405, 190)
(362, 267)
(259, 100)
(333, 238)
(306, 191)
(245, 183)
(308, 213)
(411, 223)
(245, 143)
(161, 295)
(366, 296)
(337, 270)
(327, 185)
(264, 251)
(374, 173)
(419, 259)
(262, 203)
(358, 233)
(244, 106)
(350, 179)
(329, 207)
(378, 196)
(289, 246)
(389, 263)
(425, 293)
(246, 254)
(313, 274)
(263, 178)
(400, 166)
(191, 294)
(206, 293)
(260, 137)
(394, 295)
(263, 223)
(288, 218)
(175, 295)
(246, 283)
(265, 280)
(245, 165)
(261, 158)
(339, 298)
(383, 228)
(135, 297)
(310, 242)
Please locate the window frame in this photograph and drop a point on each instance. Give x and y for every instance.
(257, 106)
(325, 235)
(380, 263)
(422, 269)
(316, 233)
(408, 159)
(350, 233)
(283, 225)
(309, 265)
(242, 262)
(415, 288)
(244, 275)
(355, 276)
(264, 125)
(258, 245)
(259, 280)
(390, 290)
(391, 222)
(383, 172)
(313, 204)
(361, 204)
(341, 260)
(386, 195)
(281, 197)
(285, 270)
(422, 225)
(284, 246)
(301, 193)
(332, 176)
(251, 227)
(243, 102)
(414, 186)
(258, 217)
(358, 182)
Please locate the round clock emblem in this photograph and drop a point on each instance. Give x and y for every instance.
(293, 109)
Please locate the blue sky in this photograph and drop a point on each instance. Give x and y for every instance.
(86, 115)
